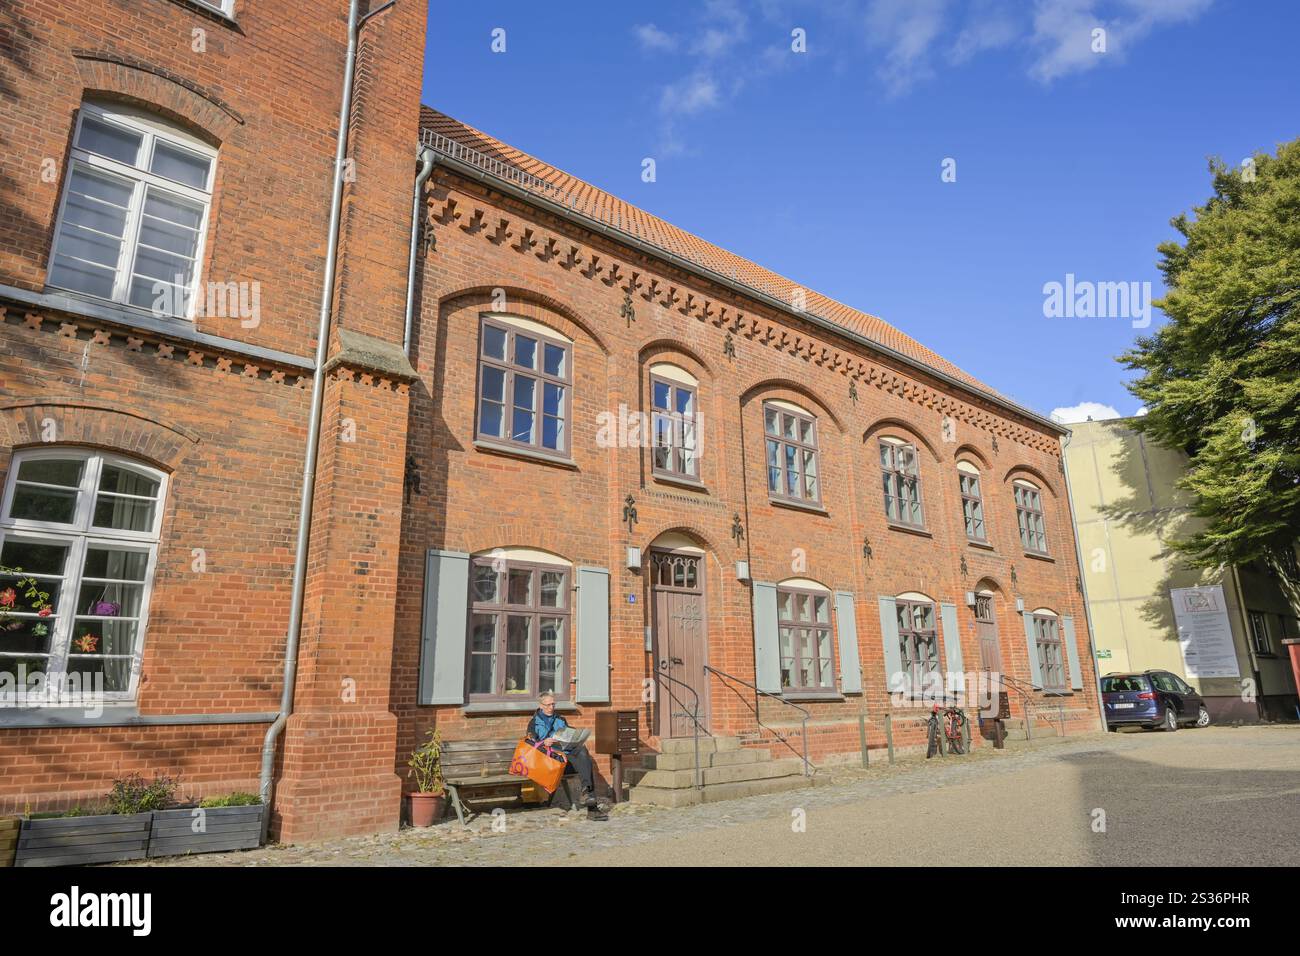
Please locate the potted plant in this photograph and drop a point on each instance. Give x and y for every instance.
(211, 825)
(429, 800)
(117, 830)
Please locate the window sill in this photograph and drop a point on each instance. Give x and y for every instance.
(116, 715)
(212, 12)
(909, 529)
(1040, 557)
(811, 695)
(798, 506)
(982, 545)
(692, 483)
(512, 451)
(485, 708)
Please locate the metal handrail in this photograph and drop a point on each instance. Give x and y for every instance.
(694, 714)
(807, 766)
(1025, 701)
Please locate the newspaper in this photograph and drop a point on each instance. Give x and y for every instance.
(571, 737)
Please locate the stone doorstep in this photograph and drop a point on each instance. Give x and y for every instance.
(708, 745)
(737, 773)
(686, 761)
(662, 797)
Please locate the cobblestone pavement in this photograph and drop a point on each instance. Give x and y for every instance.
(1214, 796)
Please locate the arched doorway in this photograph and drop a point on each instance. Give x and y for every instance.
(679, 628)
(990, 685)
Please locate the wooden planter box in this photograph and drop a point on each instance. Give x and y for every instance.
(224, 828)
(74, 841)
(8, 839)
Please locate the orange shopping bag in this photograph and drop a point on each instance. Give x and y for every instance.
(542, 766)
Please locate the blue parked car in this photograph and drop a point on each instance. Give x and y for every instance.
(1151, 699)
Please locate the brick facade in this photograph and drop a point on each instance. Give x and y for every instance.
(221, 407)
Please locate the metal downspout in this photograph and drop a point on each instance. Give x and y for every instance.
(355, 23)
(427, 158)
(1083, 587)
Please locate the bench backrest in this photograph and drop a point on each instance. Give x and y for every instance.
(466, 759)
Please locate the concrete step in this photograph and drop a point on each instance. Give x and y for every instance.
(662, 797)
(708, 745)
(735, 773)
(686, 761)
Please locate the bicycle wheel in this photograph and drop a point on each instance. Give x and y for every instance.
(965, 734)
(934, 744)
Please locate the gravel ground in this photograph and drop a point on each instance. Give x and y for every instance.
(1219, 796)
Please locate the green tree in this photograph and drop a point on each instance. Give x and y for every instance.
(1221, 379)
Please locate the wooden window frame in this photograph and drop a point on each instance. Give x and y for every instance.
(1029, 508)
(510, 370)
(79, 536)
(534, 611)
(909, 644)
(972, 506)
(141, 181)
(793, 624)
(895, 480)
(677, 421)
(800, 447)
(1049, 644)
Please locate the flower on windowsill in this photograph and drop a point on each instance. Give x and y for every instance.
(88, 643)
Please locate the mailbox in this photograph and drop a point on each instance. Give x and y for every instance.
(1004, 705)
(618, 732)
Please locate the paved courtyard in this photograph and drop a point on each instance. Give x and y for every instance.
(1219, 796)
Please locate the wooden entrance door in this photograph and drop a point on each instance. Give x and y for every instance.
(986, 629)
(680, 640)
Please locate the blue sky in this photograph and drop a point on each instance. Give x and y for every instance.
(826, 165)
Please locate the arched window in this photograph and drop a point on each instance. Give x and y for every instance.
(82, 528)
(900, 470)
(134, 211)
(972, 502)
(519, 625)
(918, 640)
(1029, 516)
(524, 383)
(1047, 638)
(674, 402)
(804, 631)
(791, 452)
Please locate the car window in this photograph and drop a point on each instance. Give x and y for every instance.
(1119, 685)
(1183, 687)
(1165, 683)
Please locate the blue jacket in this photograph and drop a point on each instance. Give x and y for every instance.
(541, 726)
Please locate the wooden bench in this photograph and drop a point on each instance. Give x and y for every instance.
(477, 772)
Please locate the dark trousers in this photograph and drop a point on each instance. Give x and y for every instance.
(580, 761)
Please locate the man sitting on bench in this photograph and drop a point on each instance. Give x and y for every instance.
(543, 726)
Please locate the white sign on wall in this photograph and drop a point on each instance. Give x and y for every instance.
(1204, 633)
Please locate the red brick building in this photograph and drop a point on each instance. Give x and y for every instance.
(614, 444)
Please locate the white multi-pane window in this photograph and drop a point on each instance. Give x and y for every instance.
(82, 528)
(901, 478)
(134, 211)
(972, 502)
(225, 7)
(1029, 517)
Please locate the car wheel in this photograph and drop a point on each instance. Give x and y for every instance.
(1203, 718)
(1171, 720)
(1112, 728)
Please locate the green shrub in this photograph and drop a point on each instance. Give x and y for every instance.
(131, 794)
(232, 800)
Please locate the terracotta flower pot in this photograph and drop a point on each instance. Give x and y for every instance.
(426, 807)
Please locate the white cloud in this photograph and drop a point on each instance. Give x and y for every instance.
(905, 30)
(654, 39)
(990, 25)
(690, 95)
(1063, 30)
(1084, 411)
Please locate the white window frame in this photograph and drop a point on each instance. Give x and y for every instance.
(224, 7)
(79, 535)
(152, 130)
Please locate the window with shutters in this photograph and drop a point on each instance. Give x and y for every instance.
(524, 385)
(791, 437)
(519, 629)
(1029, 517)
(134, 211)
(804, 633)
(1051, 652)
(918, 644)
(82, 529)
(900, 474)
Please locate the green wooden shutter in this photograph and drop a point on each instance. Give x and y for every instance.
(442, 638)
(1072, 653)
(895, 680)
(767, 649)
(593, 636)
(952, 647)
(846, 624)
(1031, 645)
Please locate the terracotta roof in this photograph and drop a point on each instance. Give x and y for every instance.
(600, 204)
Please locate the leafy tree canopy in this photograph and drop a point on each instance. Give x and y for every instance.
(1221, 379)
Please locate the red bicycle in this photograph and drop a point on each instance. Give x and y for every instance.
(952, 727)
